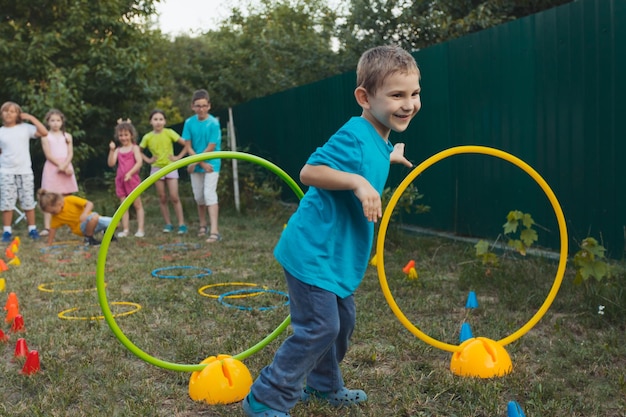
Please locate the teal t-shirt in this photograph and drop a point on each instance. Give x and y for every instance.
(201, 133)
(327, 241)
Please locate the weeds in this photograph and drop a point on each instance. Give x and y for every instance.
(572, 363)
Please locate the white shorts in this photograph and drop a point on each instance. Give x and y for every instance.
(17, 187)
(204, 187)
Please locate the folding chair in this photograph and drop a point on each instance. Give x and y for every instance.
(20, 215)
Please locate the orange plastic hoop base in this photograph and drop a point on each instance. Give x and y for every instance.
(223, 381)
(481, 357)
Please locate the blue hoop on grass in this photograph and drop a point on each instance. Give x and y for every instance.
(156, 272)
(255, 290)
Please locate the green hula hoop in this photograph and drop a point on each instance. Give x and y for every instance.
(106, 240)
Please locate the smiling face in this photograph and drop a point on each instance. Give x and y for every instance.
(394, 104)
(201, 107)
(125, 137)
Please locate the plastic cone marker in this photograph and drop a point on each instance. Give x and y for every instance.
(408, 266)
(3, 266)
(472, 302)
(3, 285)
(466, 332)
(21, 349)
(11, 299)
(3, 337)
(32, 364)
(15, 261)
(12, 312)
(514, 410)
(18, 324)
(224, 380)
(9, 253)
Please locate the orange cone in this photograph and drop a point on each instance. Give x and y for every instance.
(21, 350)
(3, 266)
(16, 242)
(12, 312)
(18, 324)
(3, 337)
(14, 248)
(408, 266)
(11, 299)
(9, 253)
(32, 363)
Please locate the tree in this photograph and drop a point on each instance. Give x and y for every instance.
(87, 58)
(416, 24)
(276, 45)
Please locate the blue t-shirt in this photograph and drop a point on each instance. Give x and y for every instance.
(201, 133)
(327, 241)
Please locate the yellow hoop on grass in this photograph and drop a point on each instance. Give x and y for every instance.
(380, 243)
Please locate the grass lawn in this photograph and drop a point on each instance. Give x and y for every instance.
(572, 363)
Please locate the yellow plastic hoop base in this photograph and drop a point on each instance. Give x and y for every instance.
(224, 380)
(481, 357)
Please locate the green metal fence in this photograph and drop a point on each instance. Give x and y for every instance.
(548, 89)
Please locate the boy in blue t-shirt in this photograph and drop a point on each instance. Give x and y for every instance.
(203, 134)
(325, 247)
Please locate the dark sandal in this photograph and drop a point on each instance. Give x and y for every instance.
(214, 237)
(202, 231)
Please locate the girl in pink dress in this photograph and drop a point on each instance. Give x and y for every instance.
(128, 159)
(58, 173)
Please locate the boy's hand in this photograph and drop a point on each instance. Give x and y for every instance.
(397, 156)
(370, 200)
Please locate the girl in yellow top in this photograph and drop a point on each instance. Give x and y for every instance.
(160, 143)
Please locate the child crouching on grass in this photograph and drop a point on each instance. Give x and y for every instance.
(74, 212)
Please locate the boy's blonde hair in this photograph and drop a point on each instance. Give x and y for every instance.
(48, 199)
(378, 63)
(8, 104)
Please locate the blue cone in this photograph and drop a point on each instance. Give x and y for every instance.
(514, 410)
(471, 300)
(466, 332)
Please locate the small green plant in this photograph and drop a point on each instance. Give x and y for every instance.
(484, 253)
(407, 201)
(516, 220)
(590, 262)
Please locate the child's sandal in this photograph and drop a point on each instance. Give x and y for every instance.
(214, 237)
(202, 231)
(343, 397)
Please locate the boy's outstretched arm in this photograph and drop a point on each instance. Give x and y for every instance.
(324, 177)
(397, 156)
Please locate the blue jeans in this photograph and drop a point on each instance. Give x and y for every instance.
(322, 326)
(103, 223)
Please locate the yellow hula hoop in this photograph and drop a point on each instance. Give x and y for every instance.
(45, 288)
(64, 314)
(380, 243)
(202, 292)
